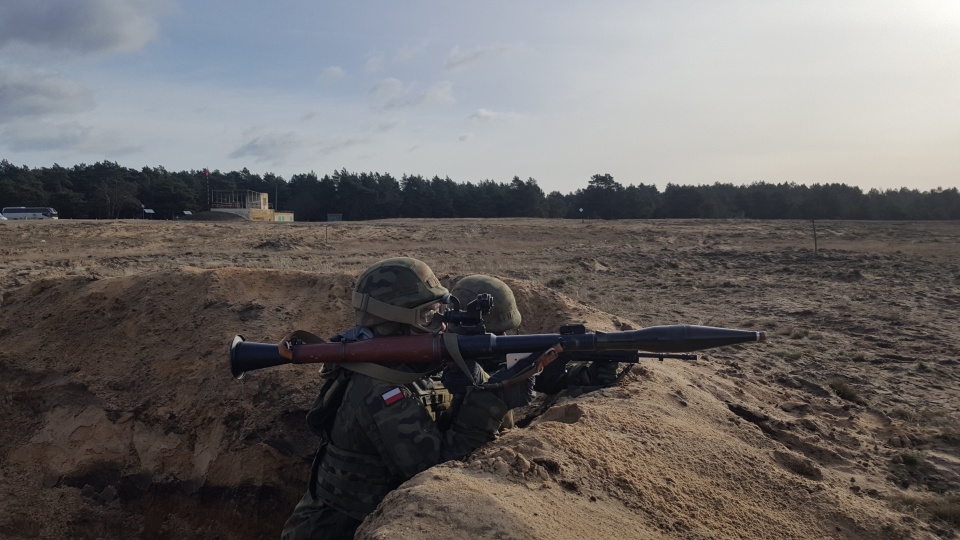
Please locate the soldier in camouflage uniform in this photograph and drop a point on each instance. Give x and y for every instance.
(504, 317)
(375, 434)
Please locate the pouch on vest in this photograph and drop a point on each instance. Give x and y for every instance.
(320, 417)
(434, 397)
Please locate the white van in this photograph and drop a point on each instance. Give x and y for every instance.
(29, 212)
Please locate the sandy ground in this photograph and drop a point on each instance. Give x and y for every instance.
(120, 418)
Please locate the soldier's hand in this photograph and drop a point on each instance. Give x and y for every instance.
(456, 381)
(602, 373)
(519, 393)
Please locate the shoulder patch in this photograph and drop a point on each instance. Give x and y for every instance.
(393, 396)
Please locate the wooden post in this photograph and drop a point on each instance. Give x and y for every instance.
(814, 236)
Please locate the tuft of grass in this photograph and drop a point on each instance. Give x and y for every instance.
(799, 333)
(939, 418)
(790, 356)
(556, 283)
(846, 392)
(911, 459)
(949, 436)
(943, 507)
(947, 510)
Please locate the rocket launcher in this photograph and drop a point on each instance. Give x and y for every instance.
(304, 348)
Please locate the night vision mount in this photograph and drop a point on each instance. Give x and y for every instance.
(469, 318)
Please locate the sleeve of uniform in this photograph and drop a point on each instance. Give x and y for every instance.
(408, 439)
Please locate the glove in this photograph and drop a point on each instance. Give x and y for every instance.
(457, 382)
(520, 393)
(357, 333)
(602, 373)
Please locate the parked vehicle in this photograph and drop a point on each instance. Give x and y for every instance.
(29, 212)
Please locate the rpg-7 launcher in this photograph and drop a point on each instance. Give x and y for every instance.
(441, 347)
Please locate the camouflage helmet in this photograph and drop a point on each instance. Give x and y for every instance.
(397, 290)
(504, 315)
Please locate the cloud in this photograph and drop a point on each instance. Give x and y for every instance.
(465, 137)
(439, 94)
(332, 73)
(387, 88)
(270, 147)
(339, 143)
(276, 148)
(388, 125)
(407, 53)
(33, 135)
(391, 93)
(28, 93)
(40, 136)
(459, 59)
(85, 26)
(486, 115)
(373, 64)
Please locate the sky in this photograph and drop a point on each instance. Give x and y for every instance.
(861, 92)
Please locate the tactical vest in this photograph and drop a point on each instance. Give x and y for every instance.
(352, 482)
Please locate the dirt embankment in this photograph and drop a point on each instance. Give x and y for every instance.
(121, 420)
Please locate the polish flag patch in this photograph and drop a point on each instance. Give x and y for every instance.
(393, 396)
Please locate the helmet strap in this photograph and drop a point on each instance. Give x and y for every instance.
(365, 302)
(368, 304)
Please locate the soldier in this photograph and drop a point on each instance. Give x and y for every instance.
(504, 317)
(375, 434)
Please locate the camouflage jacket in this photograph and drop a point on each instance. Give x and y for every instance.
(382, 435)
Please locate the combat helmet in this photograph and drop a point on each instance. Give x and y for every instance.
(504, 315)
(398, 291)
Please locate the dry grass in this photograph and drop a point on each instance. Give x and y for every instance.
(942, 507)
(911, 459)
(846, 392)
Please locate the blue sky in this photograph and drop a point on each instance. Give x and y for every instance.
(865, 93)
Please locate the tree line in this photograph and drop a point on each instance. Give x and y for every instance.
(106, 190)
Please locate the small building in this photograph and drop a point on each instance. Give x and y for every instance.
(250, 205)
